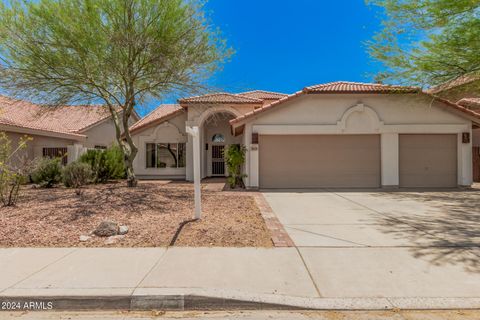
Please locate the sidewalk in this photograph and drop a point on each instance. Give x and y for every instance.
(181, 278)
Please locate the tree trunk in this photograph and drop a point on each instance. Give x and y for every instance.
(131, 178)
(125, 142)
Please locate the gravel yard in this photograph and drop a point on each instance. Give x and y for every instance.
(153, 212)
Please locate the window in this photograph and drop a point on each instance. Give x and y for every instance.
(218, 138)
(165, 155)
(100, 147)
(56, 153)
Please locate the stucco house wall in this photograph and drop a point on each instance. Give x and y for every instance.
(170, 131)
(196, 116)
(35, 146)
(387, 115)
(102, 134)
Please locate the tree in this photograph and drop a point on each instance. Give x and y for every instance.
(13, 168)
(428, 42)
(118, 52)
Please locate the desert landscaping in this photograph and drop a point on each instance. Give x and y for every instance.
(153, 212)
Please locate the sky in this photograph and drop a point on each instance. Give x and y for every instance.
(285, 45)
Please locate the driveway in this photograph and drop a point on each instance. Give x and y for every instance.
(390, 244)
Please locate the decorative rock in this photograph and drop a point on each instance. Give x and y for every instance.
(84, 238)
(114, 239)
(122, 230)
(106, 229)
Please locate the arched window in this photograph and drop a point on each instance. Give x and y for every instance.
(218, 138)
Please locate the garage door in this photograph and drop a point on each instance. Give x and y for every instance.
(428, 160)
(317, 161)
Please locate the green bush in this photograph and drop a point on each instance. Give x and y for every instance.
(105, 164)
(47, 172)
(76, 174)
(235, 158)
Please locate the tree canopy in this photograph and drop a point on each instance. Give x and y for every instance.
(427, 42)
(117, 52)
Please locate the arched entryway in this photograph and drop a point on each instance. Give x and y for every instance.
(216, 137)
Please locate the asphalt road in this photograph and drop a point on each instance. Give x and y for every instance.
(250, 315)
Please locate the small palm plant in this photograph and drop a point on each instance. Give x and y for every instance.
(235, 158)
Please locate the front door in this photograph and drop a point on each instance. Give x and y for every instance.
(218, 162)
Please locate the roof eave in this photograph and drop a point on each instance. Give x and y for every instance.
(455, 108)
(186, 103)
(156, 122)
(42, 132)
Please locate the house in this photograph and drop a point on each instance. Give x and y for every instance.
(465, 91)
(60, 131)
(339, 134)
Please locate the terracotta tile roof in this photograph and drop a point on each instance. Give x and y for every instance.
(263, 95)
(460, 81)
(470, 102)
(158, 115)
(357, 87)
(220, 97)
(343, 87)
(60, 119)
(457, 107)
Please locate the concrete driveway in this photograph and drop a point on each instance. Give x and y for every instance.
(390, 244)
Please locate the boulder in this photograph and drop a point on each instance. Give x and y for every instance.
(122, 230)
(106, 229)
(84, 238)
(114, 239)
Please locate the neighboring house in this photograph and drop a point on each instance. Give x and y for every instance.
(63, 131)
(339, 134)
(465, 91)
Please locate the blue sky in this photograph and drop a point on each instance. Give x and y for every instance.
(285, 45)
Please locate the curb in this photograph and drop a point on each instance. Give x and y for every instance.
(181, 299)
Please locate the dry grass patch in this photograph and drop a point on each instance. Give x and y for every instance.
(153, 212)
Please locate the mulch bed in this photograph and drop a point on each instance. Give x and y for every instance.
(153, 211)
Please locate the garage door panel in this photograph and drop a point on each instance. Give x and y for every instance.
(316, 161)
(428, 160)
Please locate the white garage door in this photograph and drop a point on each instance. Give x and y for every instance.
(317, 161)
(428, 160)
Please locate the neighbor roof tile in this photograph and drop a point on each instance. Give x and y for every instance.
(220, 97)
(60, 119)
(470, 102)
(357, 87)
(263, 95)
(158, 115)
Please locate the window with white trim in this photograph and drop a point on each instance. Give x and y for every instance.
(218, 138)
(56, 153)
(165, 155)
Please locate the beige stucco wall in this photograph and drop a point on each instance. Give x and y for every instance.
(328, 109)
(197, 114)
(36, 145)
(102, 134)
(171, 131)
(387, 115)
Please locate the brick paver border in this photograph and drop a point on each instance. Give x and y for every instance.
(280, 237)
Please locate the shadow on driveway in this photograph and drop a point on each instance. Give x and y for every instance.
(448, 233)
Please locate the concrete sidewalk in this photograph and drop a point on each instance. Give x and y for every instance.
(196, 278)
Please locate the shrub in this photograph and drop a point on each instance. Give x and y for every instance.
(47, 172)
(13, 169)
(105, 164)
(76, 175)
(235, 158)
